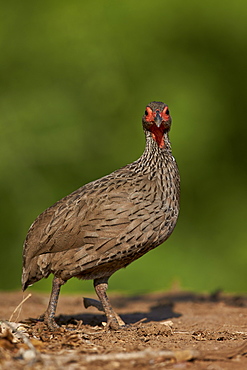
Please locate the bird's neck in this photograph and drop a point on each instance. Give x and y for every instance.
(153, 153)
(153, 147)
(154, 157)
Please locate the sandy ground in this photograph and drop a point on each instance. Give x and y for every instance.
(175, 330)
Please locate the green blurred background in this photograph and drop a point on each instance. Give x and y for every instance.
(75, 79)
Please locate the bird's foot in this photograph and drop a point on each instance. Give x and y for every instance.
(114, 321)
(49, 322)
(112, 324)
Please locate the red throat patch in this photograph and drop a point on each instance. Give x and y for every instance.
(158, 135)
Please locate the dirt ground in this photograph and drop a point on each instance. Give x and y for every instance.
(175, 330)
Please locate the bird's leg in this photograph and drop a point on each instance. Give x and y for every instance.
(113, 320)
(49, 314)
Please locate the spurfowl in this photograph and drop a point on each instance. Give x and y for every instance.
(107, 224)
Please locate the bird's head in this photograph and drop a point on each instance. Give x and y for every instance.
(157, 120)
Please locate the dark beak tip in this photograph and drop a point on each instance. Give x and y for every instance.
(158, 119)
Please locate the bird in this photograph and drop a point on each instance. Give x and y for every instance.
(108, 223)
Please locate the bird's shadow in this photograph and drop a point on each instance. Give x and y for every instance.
(160, 310)
(148, 307)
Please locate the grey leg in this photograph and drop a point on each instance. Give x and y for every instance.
(113, 320)
(51, 309)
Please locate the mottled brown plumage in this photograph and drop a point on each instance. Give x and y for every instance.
(108, 223)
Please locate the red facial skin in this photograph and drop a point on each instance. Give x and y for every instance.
(159, 122)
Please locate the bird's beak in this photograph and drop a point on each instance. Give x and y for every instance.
(158, 119)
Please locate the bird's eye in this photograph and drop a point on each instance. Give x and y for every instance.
(167, 111)
(146, 113)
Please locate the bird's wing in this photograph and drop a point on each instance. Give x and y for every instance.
(91, 217)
